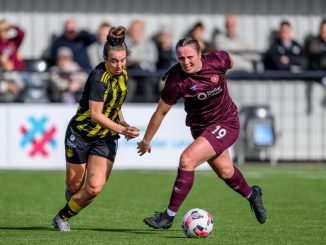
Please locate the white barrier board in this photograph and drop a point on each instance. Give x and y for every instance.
(32, 137)
(37, 133)
(4, 137)
(169, 142)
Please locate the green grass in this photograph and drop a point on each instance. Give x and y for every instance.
(295, 197)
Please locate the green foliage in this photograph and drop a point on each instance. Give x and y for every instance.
(295, 197)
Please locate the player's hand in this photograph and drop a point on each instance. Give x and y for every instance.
(143, 147)
(124, 124)
(130, 132)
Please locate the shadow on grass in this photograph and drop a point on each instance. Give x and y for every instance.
(113, 230)
(122, 230)
(27, 228)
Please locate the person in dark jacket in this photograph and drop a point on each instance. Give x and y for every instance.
(316, 49)
(77, 40)
(285, 53)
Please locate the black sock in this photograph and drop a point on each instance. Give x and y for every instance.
(66, 213)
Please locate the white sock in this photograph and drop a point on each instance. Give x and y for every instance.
(170, 212)
(249, 195)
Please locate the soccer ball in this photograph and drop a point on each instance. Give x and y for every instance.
(197, 223)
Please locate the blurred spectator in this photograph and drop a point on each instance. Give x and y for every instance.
(67, 80)
(316, 54)
(316, 49)
(198, 32)
(9, 46)
(95, 51)
(165, 49)
(284, 53)
(142, 60)
(11, 86)
(11, 83)
(75, 39)
(232, 42)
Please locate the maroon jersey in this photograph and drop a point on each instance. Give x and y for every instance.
(10, 49)
(206, 96)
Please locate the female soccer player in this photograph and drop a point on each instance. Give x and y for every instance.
(213, 119)
(92, 135)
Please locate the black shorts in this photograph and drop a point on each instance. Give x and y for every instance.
(78, 148)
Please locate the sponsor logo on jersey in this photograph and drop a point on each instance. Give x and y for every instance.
(193, 88)
(209, 94)
(72, 137)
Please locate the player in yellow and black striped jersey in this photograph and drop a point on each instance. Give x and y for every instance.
(102, 86)
(92, 134)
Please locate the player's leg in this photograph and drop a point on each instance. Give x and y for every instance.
(225, 169)
(100, 162)
(97, 172)
(221, 137)
(75, 176)
(76, 152)
(194, 155)
(101, 155)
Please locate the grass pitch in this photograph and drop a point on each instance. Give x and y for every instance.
(295, 197)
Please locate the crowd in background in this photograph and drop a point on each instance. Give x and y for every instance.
(74, 52)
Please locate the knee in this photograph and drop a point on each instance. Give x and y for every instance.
(73, 188)
(226, 172)
(93, 191)
(186, 163)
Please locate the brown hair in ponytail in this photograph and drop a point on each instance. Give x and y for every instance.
(115, 40)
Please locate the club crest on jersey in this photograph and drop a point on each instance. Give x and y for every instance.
(214, 79)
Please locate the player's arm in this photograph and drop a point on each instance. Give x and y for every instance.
(122, 119)
(231, 63)
(98, 117)
(153, 125)
(124, 123)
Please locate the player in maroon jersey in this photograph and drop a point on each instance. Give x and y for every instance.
(213, 120)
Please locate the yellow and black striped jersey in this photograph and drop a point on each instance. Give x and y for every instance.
(101, 85)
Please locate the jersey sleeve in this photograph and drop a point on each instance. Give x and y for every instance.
(171, 92)
(97, 89)
(224, 59)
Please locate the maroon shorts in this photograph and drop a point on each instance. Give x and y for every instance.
(220, 135)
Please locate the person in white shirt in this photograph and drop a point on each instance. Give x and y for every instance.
(232, 42)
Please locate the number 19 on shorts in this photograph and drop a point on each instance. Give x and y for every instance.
(219, 132)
